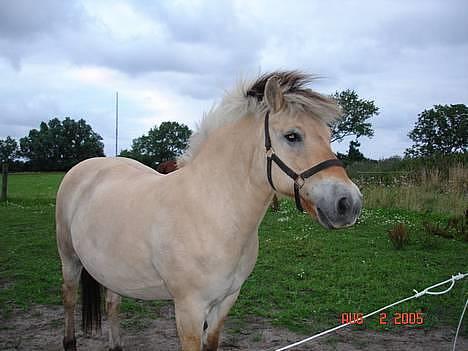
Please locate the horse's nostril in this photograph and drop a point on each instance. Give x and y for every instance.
(343, 206)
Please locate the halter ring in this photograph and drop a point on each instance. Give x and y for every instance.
(299, 181)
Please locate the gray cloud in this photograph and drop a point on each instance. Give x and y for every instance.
(26, 19)
(433, 23)
(207, 38)
(204, 40)
(26, 23)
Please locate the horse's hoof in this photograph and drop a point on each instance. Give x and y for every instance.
(69, 344)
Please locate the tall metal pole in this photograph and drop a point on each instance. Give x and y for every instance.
(116, 122)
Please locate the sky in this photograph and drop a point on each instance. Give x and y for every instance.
(172, 60)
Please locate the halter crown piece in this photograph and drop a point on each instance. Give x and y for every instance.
(299, 179)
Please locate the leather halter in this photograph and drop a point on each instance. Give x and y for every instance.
(299, 179)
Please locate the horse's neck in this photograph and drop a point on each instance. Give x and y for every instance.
(229, 172)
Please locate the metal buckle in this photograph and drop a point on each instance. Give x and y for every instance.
(269, 152)
(299, 181)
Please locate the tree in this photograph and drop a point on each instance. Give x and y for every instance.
(59, 145)
(353, 153)
(8, 150)
(161, 144)
(356, 113)
(441, 130)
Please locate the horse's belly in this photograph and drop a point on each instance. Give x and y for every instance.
(158, 291)
(129, 273)
(131, 284)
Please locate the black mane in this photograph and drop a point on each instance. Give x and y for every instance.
(290, 82)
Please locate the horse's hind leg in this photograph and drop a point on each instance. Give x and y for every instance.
(71, 278)
(113, 307)
(71, 271)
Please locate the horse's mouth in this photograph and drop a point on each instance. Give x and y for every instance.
(323, 219)
(317, 213)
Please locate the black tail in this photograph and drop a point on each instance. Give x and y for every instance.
(90, 303)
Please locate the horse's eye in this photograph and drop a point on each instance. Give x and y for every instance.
(293, 137)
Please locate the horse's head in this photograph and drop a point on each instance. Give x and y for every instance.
(300, 137)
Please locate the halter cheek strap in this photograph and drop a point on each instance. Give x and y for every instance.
(299, 179)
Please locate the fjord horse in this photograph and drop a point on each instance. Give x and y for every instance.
(191, 236)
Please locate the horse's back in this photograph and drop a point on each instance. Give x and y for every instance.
(88, 175)
(107, 166)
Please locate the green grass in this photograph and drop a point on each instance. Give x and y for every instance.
(304, 279)
(29, 262)
(33, 188)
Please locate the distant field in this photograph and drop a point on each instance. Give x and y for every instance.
(33, 188)
(426, 190)
(304, 279)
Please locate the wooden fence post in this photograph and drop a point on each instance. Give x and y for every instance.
(4, 181)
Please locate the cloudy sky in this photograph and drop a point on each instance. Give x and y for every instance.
(171, 60)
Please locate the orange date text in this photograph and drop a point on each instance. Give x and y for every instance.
(402, 318)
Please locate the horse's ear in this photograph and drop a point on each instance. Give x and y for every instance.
(273, 95)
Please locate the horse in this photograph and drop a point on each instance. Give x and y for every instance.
(191, 236)
(167, 167)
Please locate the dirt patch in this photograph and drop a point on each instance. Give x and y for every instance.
(41, 328)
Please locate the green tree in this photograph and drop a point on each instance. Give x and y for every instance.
(353, 153)
(441, 130)
(59, 145)
(355, 116)
(8, 149)
(161, 144)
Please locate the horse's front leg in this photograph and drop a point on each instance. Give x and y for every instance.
(215, 322)
(190, 318)
(113, 307)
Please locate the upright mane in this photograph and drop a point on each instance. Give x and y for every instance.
(247, 98)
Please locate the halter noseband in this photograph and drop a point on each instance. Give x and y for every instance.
(299, 179)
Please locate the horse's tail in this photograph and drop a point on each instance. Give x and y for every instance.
(90, 303)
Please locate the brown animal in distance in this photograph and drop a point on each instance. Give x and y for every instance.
(167, 167)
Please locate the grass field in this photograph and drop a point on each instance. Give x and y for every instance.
(304, 279)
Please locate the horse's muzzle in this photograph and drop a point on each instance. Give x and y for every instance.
(337, 205)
